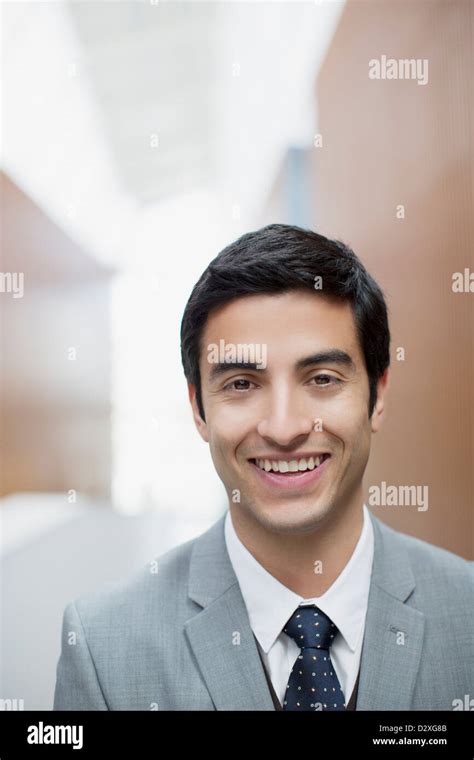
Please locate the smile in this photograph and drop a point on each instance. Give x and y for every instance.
(291, 473)
(290, 465)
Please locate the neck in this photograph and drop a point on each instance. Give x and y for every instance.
(308, 563)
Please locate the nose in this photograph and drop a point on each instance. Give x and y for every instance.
(286, 418)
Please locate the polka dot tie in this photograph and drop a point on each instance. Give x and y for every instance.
(313, 683)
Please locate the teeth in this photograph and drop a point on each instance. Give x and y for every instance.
(292, 465)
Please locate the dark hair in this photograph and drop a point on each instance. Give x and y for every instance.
(280, 258)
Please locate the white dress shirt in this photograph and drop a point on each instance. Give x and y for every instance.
(270, 604)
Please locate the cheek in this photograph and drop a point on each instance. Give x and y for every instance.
(225, 433)
(232, 421)
(347, 419)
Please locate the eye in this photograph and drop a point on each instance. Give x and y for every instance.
(240, 385)
(326, 380)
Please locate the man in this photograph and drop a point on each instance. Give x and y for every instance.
(297, 598)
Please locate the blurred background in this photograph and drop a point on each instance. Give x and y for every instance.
(140, 138)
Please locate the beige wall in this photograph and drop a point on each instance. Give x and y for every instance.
(396, 142)
(55, 413)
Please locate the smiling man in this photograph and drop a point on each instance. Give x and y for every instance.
(292, 440)
(298, 598)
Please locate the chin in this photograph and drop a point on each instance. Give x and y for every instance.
(292, 519)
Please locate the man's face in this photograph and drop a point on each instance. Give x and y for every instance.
(300, 407)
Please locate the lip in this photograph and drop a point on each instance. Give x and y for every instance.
(284, 482)
(289, 457)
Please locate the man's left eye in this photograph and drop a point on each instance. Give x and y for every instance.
(326, 379)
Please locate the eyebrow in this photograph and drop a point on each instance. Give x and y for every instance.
(330, 356)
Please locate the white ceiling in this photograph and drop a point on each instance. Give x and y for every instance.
(153, 68)
(226, 87)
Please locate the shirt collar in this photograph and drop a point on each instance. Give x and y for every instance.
(270, 604)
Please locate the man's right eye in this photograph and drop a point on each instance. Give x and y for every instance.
(232, 385)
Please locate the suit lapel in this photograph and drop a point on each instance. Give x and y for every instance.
(226, 651)
(393, 636)
(220, 634)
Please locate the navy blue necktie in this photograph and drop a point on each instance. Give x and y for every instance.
(313, 683)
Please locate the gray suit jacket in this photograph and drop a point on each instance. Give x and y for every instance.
(176, 635)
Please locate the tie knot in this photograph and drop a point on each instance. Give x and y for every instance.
(309, 627)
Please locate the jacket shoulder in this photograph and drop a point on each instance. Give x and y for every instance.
(163, 579)
(431, 565)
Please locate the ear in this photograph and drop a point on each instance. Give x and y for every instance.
(377, 414)
(198, 420)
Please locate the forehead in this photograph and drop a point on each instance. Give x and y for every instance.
(290, 324)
